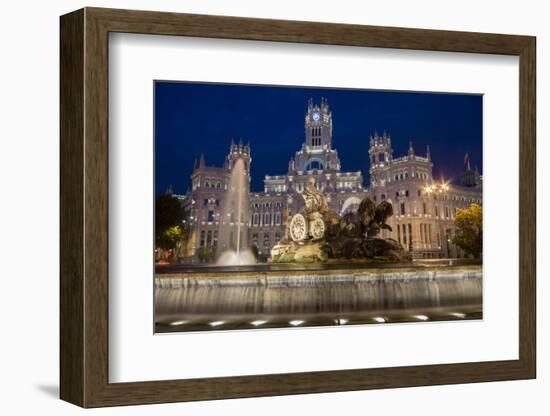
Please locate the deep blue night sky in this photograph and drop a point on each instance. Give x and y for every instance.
(195, 118)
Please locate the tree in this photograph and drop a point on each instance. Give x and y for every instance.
(469, 230)
(170, 237)
(169, 214)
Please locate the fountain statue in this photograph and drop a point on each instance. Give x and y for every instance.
(318, 234)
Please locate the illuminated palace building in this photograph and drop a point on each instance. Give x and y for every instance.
(424, 209)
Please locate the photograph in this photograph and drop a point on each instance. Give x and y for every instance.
(309, 206)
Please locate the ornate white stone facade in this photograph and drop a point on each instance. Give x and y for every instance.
(424, 208)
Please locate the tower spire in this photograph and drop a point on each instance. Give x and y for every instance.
(411, 149)
(428, 153)
(202, 162)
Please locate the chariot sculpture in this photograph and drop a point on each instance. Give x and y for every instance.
(309, 224)
(317, 234)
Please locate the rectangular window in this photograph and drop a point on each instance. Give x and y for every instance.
(210, 216)
(203, 234)
(424, 211)
(402, 208)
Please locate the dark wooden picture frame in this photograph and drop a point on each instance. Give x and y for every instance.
(84, 207)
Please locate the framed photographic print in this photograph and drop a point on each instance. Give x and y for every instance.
(267, 207)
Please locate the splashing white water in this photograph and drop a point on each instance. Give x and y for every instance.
(232, 258)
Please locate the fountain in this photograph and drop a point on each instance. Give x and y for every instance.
(235, 215)
(318, 234)
(241, 299)
(327, 270)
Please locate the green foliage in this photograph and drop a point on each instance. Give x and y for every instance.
(206, 254)
(169, 214)
(469, 230)
(170, 237)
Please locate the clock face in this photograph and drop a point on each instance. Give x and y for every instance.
(316, 116)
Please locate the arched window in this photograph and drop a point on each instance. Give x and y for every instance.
(267, 219)
(315, 164)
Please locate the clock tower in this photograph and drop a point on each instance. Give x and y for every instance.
(317, 153)
(318, 126)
